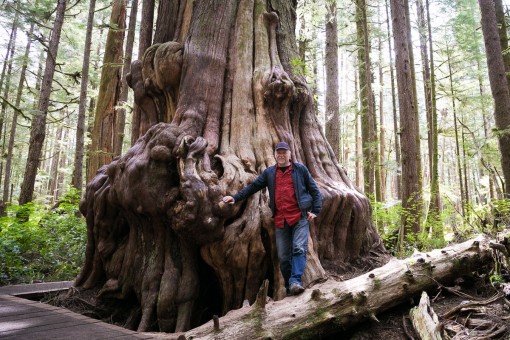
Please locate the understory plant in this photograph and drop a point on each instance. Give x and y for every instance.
(39, 243)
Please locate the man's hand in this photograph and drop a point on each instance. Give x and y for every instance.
(309, 218)
(229, 199)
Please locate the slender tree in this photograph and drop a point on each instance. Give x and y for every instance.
(331, 64)
(55, 155)
(435, 195)
(458, 157)
(366, 97)
(499, 86)
(77, 177)
(14, 123)
(409, 132)
(145, 40)
(124, 91)
(38, 126)
(433, 216)
(6, 82)
(382, 132)
(396, 129)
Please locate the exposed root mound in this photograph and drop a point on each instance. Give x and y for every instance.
(148, 213)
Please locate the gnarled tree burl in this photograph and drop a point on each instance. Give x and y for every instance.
(214, 102)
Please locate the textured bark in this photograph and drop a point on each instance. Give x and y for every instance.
(331, 64)
(500, 92)
(102, 147)
(215, 105)
(409, 132)
(335, 306)
(38, 126)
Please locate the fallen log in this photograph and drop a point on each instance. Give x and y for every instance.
(332, 306)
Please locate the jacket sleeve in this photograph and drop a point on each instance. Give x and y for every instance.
(314, 191)
(258, 184)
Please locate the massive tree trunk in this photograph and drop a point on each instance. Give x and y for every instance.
(224, 93)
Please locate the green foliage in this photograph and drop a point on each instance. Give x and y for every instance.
(299, 67)
(449, 226)
(38, 244)
(388, 217)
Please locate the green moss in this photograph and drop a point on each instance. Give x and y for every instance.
(377, 284)
(254, 319)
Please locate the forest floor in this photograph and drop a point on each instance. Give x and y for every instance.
(482, 320)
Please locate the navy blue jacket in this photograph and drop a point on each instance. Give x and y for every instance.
(307, 193)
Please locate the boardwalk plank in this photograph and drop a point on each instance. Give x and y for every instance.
(25, 319)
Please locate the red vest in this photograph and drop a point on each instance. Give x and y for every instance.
(286, 205)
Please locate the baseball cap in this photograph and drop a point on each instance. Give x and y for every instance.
(282, 145)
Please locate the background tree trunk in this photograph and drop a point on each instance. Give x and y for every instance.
(396, 129)
(433, 218)
(409, 133)
(158, 241)
(103, 135)
(331, 64)
(77, 178)
(499, 86)
(367, 99)
(38, 126)
(120, 115)
(138, 125)
(12, 134)
(5, 82)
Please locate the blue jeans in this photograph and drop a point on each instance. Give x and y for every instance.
(292, 244)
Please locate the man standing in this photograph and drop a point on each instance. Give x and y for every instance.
(294, 199)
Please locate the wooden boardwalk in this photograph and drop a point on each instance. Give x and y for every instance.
(25, 319)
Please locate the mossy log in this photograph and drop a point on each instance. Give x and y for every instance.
(333, 306)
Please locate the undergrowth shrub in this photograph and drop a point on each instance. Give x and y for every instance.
(41, 244)
(451, 226)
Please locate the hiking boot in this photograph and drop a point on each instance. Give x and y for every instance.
(296, 288)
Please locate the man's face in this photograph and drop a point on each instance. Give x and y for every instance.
(282, 157)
